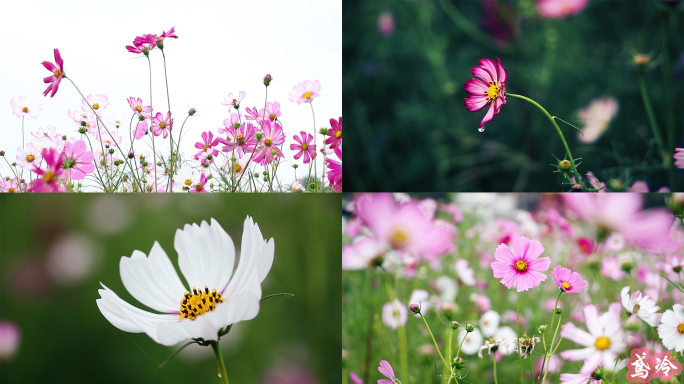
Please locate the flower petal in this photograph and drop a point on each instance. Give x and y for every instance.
(386, 369)
(481, 73)
(503, 74)
(490, 66)
(476, 87)
(489, 116)
(579, 336)
(475, 103)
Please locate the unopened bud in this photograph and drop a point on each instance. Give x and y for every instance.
(642, 60)
(458, 364)
(558, 311)
(64, 137)
(470, 327)
(274, 152)
(2, 153)
(626, 263)
(415, 308)
(192, 111)
(267, 79)
(131, 155)
(454, 325)
(295, 166)
(82, 131)
(259, 135)
(448, 309)
(564, 165)
(323, 131)
(617, 185)
(542, 328)
(83, 124)
(577, 188)
(111, 151)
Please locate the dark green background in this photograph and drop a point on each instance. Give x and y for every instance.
(403, 95)
(67, 340)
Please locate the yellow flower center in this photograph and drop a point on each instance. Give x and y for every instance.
(188, 182)
(307, 95)
(96, 106)
(602, 343)
(57, 73)
(162, 124)
(199, 186)
(636, 308)
(565, 285)
(399, 238)
(206, 146)
(680, 328)
(493, 91)
(271, 116)
(11, 190)
(48, 176)
(304, 147)
(338, 134)
(521, 266)
(268, 142)
(30, 158)
(237, 168)
(138, 108)
(198, 303)
(25, 109)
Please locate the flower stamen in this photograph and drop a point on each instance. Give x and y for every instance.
(680, 328)
(602, 343)
(520, 266)
(198, 303)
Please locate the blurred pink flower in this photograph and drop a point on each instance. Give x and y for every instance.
(305, 92)
(72, 259)
(10, 339)
(20, 108)
(488, 88)
(57, 74)
(386, 369)
(602, 343)
(335, 133)
(394, 314)
(79, 160)
(386, 24)
(10, 185)
(672, 266)
(291, 374)
(679, 157)
(520, 266)
(304, 147)
(453, 210)
(567, 281)
(639, 186)
(162, 125)
(54, 159)
(550, 304)
(578, 378)
(556, 9)
(554, 365)
(355, 378)
(596, 117)
(622, 213)
(365, 252)
(610, 267)
(482, 302)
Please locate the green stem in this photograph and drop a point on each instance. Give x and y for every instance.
(667, 160)
(667, 77)
(494, 357)
(560, 133)
(549, 349)
(219, 360)
(460, 345)
(154, 151)
(531, 370)
(401, 333)
(314, 139)
(168, 100)
(517, 326)
(255, 145)
(434, 341)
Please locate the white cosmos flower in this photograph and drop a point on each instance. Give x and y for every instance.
(473, 341)
(465, 273)
(671, 328)
(642, 306)
(489, 322)
(206, 256)
(507, 339)
(394, 314)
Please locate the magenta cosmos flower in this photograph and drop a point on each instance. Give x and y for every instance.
(488, 88)
(567, 281)
(520, 266)
(199, 187)
(79, 160)
(54, 159)
(335, 171)
(304, 147)
(305, 92)
(273, 137)
(557, 9)
(386, 369)
(159, 40)
(207, 144)
(162, 125)
(57, 74)
(335, 133)
(240, 140)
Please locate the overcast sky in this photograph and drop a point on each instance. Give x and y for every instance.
(223, 46)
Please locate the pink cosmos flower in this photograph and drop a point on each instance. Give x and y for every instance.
(57, 74)
(252, 114)
(639, 186)
(602, 343)
(567, 281)
(355, 378)
(335, 171)
(305, 92)
(159, 40)
(386, 369)
(137, 107)
(229, 125)
(98, 102)
(488, 88)
(28, 156)
(273, 137)
(557, 9)
(11, 185)
(272, 112)
(304, 147)
(394, 314)
(335, 133)
(241, 140)
(520, 266)
(679, 157)
(386, 24)
(578, 378)
(596, 117)
(20, 108)
(199, 187)
(140, 129)
(10, 339)
(672, 266)
(54, 160)
(365, 252)
(162, 125)
(610, 267)
(234, 101)
(78, 160)
(207, 144)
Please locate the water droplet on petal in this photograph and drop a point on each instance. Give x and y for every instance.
(481, 129)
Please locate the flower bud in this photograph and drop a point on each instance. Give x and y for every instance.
(259, 135)
(82, 131)
(542, 328)
(415, 308)
(448, 309)
(323, 131)
(267, 79)
(131, 155)
(470, 327)
(616, 185)
(111, 151)
(295, 166)
(14, 164)
(558, 311)
(274, 152)
(577, 188)
(141, 118)
(454, 325)
(2, 153)
(64, 137)
(256, 175)
(626, 263)
(458, 364)
(83, 124)
(564, 165)
(642, 60)
(192, 111)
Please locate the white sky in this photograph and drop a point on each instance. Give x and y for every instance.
(223, 46)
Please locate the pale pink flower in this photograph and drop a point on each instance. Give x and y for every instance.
(596, 117)
(98, 102)
(10, 185)
(671, 266)
(234, 101)
(57, 74)
(365, 252)
(578, 378)
(21, 109)
(230, 125)
(520, 266)
(386, 24)
(602, 343)
(465, 274)
(305, 92)
(10, 339)
(28, 156)
(488, 88)
(137, 107)
(482, 302)
(554, 365)
(79, 160)
(272, 112)
(140, 129)
(162, 125)
(304, 147)
(252, 114)
(355, 378)
(639, 186)
(610, 267)
(387, 371)
(556, 9)
(394, 314)
(567, 281)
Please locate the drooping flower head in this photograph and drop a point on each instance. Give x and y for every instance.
(57, 74)
(567, 281)
(54, 159)
(520, 266)
(21, 109)
(386, 369)
(206, 256)
(304, 147)
(162, 125)
(335, 133)
(305, 92)
(488, 88)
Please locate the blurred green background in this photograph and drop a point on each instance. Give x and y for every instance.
(404, 93)
(54, 251)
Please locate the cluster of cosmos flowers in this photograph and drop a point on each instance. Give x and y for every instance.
(594, 277)
(244, 155)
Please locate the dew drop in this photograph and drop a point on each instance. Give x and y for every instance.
(219, 373)
(481, 129)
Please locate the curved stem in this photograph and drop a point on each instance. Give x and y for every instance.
(548, 350)
(517, 326)
(219, 361)
(560, 133)
(434, 341)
